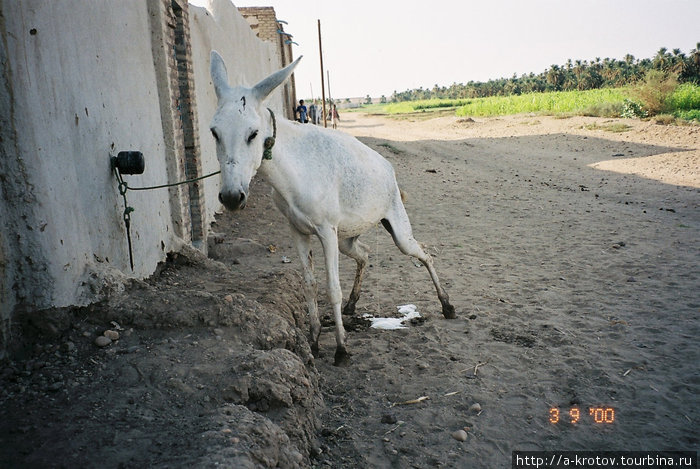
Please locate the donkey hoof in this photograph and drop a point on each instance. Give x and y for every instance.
(448, 311)
(342, 357)
(315, 350)
(349, 309)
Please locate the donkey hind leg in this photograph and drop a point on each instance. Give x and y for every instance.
(303, 244)
(399, 227)
(359, 251)
(329, 240)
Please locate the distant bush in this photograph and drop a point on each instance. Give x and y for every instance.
(660, 95)
(615, 127)
(654, 93)
(665, 119)
(604, 109)
(632, 110)
(693, 114)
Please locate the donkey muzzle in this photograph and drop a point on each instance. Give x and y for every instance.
(234, 200)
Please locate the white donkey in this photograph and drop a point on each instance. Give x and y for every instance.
(325, 182)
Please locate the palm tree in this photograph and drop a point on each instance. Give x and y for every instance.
(694, 61)
(679, 66)
(661, 59)
(578, 71)
(555, 77)
(579, 74)
(695, 55)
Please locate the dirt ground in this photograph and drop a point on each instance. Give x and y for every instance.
(570, 252)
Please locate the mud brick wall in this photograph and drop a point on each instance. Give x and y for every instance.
(263, 21)
(129, 86)
(76, 106)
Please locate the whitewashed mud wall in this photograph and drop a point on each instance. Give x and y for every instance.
(79, 83)
(79, 80)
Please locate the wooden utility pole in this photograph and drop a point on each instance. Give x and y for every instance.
(330, 97)
(323, 89)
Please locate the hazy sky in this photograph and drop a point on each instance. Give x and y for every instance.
(378, 47)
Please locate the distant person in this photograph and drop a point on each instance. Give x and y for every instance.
(319, 113)
(334, 116)
(313, 113)
(302, 111)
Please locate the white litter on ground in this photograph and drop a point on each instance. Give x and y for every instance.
(409, 312)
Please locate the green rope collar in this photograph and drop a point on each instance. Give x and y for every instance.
(270, 141)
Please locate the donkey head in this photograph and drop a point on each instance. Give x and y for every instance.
(240, 126)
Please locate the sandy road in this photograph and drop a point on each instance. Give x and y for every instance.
(576, 287)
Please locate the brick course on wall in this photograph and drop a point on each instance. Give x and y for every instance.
(163, 24)
(263, 21)
(172, 47)
(188, 117)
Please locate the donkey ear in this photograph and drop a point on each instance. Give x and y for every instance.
(263, 89)
(219, 76)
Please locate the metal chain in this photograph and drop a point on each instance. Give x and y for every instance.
(147, 188)
(124, 187)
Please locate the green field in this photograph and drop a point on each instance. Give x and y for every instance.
(683, 103)
(561, 102)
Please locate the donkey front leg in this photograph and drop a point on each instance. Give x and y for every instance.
(329, 241)
(303, 243)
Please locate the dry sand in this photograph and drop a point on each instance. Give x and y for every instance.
(570, 253)
(572, 258)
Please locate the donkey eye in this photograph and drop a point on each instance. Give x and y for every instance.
(216, 136)
(252, 136)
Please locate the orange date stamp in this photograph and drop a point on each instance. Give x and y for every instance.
(597, 414)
